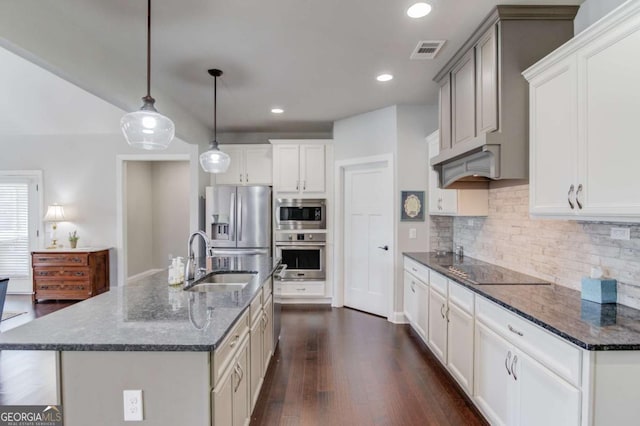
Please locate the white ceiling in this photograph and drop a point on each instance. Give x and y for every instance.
(316, 59)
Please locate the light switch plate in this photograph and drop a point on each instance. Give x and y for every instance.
(620, 234)
(413, 233)
(132, 405)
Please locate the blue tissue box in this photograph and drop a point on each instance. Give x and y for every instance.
(599, 290)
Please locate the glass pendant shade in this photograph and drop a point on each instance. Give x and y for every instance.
(214, 160)
(147, 129)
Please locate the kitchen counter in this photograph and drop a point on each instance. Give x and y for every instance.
(147, 315)
(560, 310)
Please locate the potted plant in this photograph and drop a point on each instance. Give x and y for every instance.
(73, 239)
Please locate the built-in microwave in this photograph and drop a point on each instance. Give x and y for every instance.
(296, 213)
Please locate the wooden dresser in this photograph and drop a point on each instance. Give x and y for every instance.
(71, 274)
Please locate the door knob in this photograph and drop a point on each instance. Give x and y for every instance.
(385, 248)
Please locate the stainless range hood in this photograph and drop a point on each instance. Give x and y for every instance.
(473, 169)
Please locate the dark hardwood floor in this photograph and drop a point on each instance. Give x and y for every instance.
(332, 367)
(344, 367)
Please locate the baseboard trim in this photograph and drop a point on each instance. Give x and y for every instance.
(398, 318)
(305, 301)
(141, 275)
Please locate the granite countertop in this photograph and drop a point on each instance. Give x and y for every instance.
(558, 309)
(147, 315)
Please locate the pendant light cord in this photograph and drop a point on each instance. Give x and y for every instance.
(148, 49)
(215, 110)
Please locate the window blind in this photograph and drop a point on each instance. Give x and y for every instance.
(14, 230)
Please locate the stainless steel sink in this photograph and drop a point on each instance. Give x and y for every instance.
(222, 282)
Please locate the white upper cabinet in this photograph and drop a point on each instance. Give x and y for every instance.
(453, 202)
(250, 165)
(584, 106)
(300, 168)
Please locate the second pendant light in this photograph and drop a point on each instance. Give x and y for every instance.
(214, 160)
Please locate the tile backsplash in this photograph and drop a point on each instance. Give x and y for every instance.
(560, 251)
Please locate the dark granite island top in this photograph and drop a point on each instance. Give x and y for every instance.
(147, 315)
(560, 310)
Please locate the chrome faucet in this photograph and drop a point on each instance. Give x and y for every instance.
(190, 267)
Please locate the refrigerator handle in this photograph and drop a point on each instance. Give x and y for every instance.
(232, 217)
(239, 217)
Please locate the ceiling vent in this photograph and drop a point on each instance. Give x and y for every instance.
(427, 49)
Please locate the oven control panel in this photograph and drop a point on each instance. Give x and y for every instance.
(297, 237)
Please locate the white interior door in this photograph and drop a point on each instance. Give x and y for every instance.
(368, 236)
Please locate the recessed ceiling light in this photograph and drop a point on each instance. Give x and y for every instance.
(419, 10)
(277, 110)
(384, 77)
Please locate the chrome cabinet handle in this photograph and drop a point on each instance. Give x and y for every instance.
(506, 362)
(235, 340)
(513, 330)
(447, 313)
(442, 311)
(304, 185)
(240, 177)
(240, 374)
(578, 196)
(571, 188)
(246, 177)
(413, 288)
(513, 367)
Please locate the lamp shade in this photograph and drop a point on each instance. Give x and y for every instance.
(147, 129)
(214, 160)
(55, 213)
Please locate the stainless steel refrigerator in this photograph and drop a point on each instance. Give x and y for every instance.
(238, 219)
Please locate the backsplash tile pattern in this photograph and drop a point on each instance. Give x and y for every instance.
(560, 251)
(441, 233)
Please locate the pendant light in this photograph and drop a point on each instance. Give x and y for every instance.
(147, 128)
(214, 160)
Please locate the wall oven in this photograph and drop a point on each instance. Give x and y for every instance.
(304, 255)
(295, 213)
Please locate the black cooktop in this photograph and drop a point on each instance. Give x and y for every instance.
(481, 273)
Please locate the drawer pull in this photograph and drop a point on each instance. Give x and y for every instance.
(447, 313)
(506, 362)
(414, 269)
(442, 311)
(513, 367)
(513, 330)
(301, 289)
(235, 340)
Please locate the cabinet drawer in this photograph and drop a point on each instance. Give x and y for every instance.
(54, 259)
(61, 272)
(267, 289)
(419, 271)
(559, 356)
(438, 282)
(62, 289)
(255, 310)
(224, 354)
(301, 289)
(461, 296)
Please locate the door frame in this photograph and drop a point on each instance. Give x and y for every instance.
(121, 202)
(339, 212)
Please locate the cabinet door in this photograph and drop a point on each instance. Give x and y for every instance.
(433, 141)
(445, 113)
(256, 350)
(409, 297)
(235, 172)
(553, 140)
(487, 81)
(286, 170)
(267, 335)
(494, 384)
(421, 308)
(543, 397)
(312, 167)
(223, 399)
(241, 396)
(463, 97)
(460, 346)
(437, 338)
(608, 72)
(258, 165)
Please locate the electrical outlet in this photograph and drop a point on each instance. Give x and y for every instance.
(132, 405)
(620, 233)
(413, 233)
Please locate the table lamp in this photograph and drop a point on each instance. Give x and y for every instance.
(55, 214)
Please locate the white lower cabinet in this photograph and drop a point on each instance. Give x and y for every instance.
(437, 338)
(416, 307)
(514, 389)
(231, 400)
(460, 346)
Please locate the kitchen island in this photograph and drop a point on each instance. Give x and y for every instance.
(191, 353)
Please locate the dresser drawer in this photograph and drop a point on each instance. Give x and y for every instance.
(556, 354)
(62, 289)
(301, 288)
(64, 259)
(60, 272)
(419, 271)
(223, 355)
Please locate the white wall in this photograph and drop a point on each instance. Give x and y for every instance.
(170, 210)
(592, 10)
(364, 135)
(139, 210)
